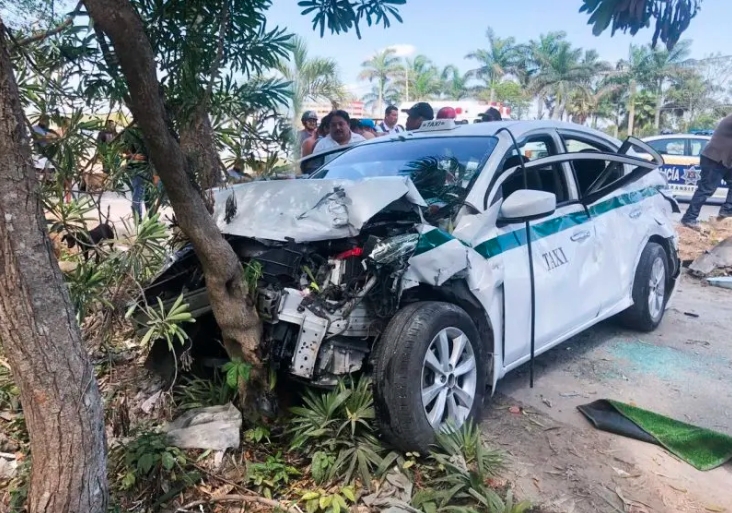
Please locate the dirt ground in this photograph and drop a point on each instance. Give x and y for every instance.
(693, 243)
(683, 370)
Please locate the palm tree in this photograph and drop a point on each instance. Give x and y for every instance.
(389, 96)
(419, 78)
(561, 72)
(381, 68)
(665, 64)
(501, 58)
(631, 73)
(311, 78)
(534, 57)
(454, 84)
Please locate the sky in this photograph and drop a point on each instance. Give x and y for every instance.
(447, 30)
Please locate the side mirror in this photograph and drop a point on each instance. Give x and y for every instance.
(526, 205)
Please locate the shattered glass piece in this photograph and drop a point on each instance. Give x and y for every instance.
(394, 248)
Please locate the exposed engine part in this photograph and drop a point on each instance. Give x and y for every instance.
(340, 356)
(390, 250)
(268, 299)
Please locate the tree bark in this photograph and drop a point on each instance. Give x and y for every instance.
(197, 140)
(631, 107)
(232, 307)
(40, 336)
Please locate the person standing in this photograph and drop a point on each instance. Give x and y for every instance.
(389, 125)
(309, 145)
(140, 171)
(310, 125)
(716, 164)
(446, 113)
(418, 113)
(340, 133)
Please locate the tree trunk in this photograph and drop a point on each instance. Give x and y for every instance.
(631, 108)
(232, 307)
(659, 106)
(40, 336)
(197, 140)
(540, 108)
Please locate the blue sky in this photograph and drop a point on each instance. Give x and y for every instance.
(446, 30)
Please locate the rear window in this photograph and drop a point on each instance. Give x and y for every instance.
(448, 160)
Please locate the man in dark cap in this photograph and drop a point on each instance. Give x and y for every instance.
(716, 165)
(491, 114)
(417, 113)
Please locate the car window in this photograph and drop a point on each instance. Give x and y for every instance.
(696, 146)
(431, 162)
(586, 171)
(575, 145)
(669, 146)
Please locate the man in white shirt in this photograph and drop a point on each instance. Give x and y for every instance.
(340, 133)
(389, 125)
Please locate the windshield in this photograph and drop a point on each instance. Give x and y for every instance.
(429, 161)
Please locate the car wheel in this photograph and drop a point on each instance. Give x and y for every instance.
(429, 374)
(649, 290)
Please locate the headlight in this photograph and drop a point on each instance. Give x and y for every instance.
(394, 248)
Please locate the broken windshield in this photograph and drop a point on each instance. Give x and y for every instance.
(431, 162)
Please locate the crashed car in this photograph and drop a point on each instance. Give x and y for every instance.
(440, 259)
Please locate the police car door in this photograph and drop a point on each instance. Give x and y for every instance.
(561, 243)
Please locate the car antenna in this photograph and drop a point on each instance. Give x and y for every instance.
(531, 259)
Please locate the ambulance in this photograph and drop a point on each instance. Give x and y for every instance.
(468, 111)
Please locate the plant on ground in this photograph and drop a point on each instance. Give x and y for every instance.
(198, 392)
(460, 471)
(271, 475)
(237, 373)
(149, 466)
(336, 430)
(321, 501)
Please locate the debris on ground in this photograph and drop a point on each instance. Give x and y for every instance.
(8, 466)
(724, 282)
(715, 261)
(214, 427)
(693, 244)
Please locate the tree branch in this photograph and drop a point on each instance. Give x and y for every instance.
(216, 65)
(55, 30)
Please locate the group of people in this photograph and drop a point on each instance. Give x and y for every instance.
(339, 129)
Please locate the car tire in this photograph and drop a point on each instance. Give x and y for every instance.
(650, 288)
(403, 373)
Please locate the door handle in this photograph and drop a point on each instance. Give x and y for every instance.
(580, 236)
(635, 214)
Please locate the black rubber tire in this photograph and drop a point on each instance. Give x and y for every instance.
(638, 317)
(398, 360)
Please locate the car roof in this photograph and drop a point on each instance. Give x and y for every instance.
(676, 136)
(486, 129)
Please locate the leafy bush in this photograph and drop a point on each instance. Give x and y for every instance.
(199, 393)
(462, 467)
(271, 475)
(165, 324)
(148, 465)
(336, 430)
(321, 501)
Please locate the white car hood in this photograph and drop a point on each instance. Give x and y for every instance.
(307, 210)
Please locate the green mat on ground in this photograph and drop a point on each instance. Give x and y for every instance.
(702, 448)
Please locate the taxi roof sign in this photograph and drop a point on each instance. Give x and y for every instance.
(437, 124)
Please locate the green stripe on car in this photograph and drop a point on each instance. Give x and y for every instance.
(517, 238)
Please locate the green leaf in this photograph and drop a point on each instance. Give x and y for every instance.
(348, 493)
(145, 463)
(168, 461)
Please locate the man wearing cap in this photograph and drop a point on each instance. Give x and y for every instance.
(491, 114)
(446, 113)
(419, 112)
(310, 123)
(368, 128)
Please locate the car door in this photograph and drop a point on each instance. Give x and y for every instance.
(614, 201)
(560, 243)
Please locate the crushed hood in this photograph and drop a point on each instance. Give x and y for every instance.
(307, 210)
